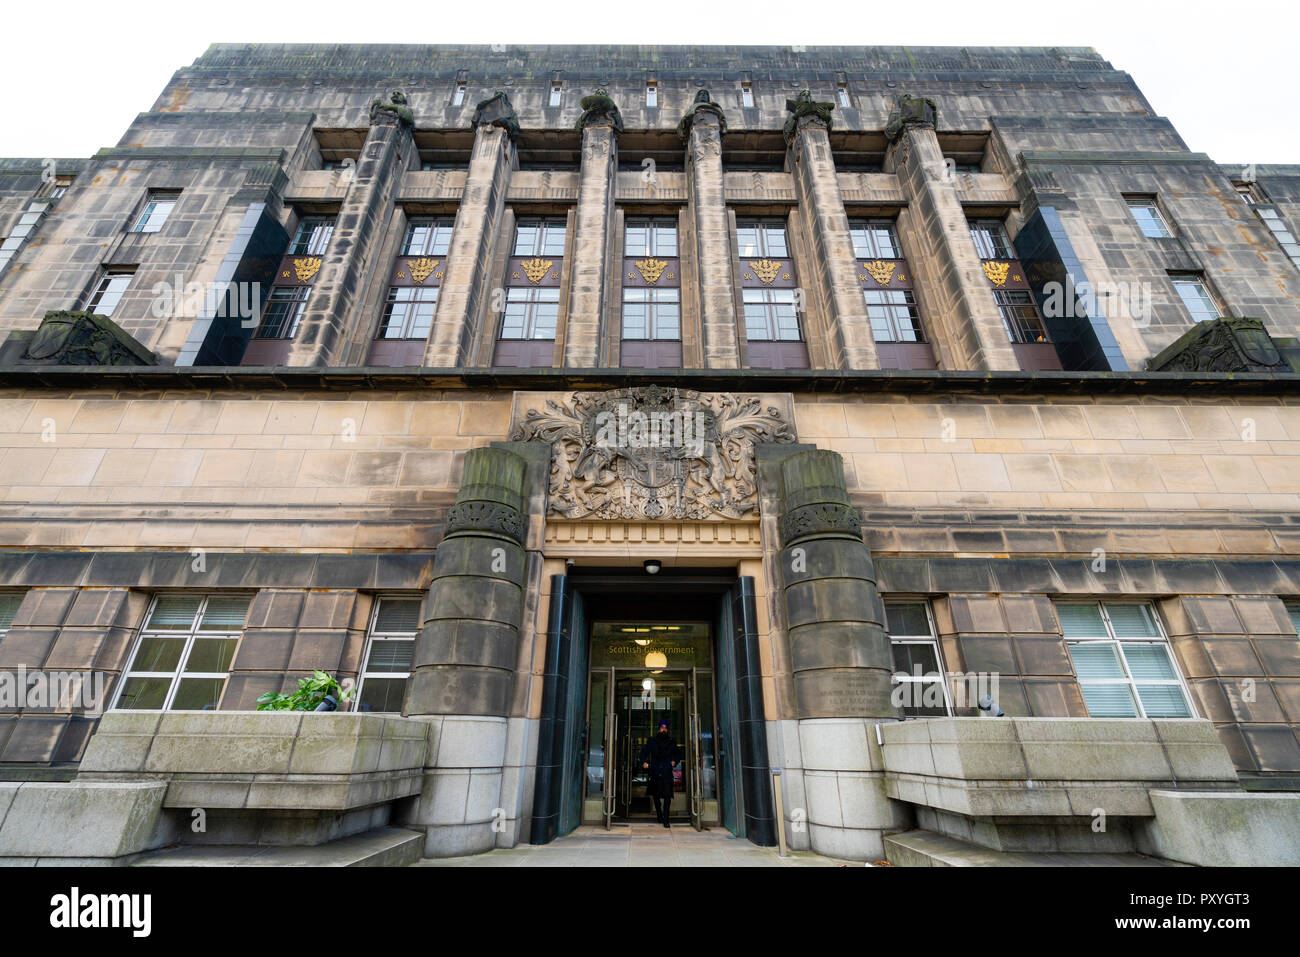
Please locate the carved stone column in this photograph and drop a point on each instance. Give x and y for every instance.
(971, 333)
(600, 123)
(466, 655)
(845, 332)
(701, 129)
(336, 303)
(465, 295)
(840, 657)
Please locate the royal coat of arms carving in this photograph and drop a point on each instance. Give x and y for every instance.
(653, 452)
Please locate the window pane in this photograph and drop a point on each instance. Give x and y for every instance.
(224, 614)
(907, 618)
(1109, 701)
(1293, 609)
(1081, 621)
(915, 659)
(211, 655)
(198, 694)
(174, 611)
(144, 693)
(391, 654)
(1132, 621)
(398, 615)
(1163, 701)
(8, 608)
(158, 654)
(382, 694)
(1095, 660)
(1149, 662)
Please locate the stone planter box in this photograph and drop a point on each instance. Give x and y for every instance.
(1055, 767)
(262, 760)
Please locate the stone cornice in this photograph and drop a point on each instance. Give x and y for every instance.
(825, 381)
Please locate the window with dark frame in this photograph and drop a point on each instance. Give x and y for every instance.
(990, 238)
(540, 236)
(530, 313)
(428, 236)
(1020, 315)
(284, 308)
(9, 602)
(408, 312)
(312, 237)
(770, 315)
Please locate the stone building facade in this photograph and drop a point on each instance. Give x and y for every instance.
(929, 383)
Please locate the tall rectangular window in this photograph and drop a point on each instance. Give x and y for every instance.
(9, 602)
(1020, 315)
(990, 238)
(894, 315)
(182, 658)
(108, 291)
(408, 312)
(770, 315)
(1123, 661)
(540, 237)
(1196, 297)
(651, 96)
(1147, 215)
(313, 236)
(531, 313)
(765, 238)
(652, 314)
(557, 90)
(650, 237)
(389, 652)
(746, 95)
(842, 90)
(156, 209)
(458, 96)
(874, 239)
(918, 664)
(427, 237)
(284, 307)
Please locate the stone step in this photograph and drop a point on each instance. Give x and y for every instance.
(928, 849)
(381, 847)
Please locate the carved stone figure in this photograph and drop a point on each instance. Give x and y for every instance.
(395, 106)
(496, 111)
(653, 452)
(599, 106)
(911, 111)
(703, 104)
(804, 108)
(1222, 345)
(84, 339)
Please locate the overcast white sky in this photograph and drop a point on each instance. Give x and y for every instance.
(73, 76)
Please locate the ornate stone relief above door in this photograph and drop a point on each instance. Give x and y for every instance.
(652, 452)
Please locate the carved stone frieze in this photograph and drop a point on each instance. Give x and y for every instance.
(652, 452)
(1222, 345)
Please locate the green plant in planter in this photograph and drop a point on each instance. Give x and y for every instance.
(311, 692)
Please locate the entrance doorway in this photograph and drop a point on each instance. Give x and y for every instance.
(643, 673)
(615, 667)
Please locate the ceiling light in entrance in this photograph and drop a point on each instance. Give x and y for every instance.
(656, 659)
(652, 566)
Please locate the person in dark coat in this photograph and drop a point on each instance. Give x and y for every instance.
(660, 755)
